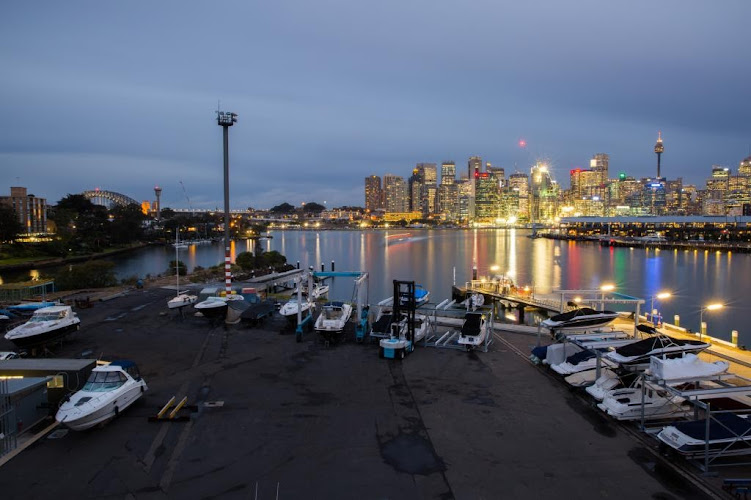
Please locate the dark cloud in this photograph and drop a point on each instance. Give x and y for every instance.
(122, 95)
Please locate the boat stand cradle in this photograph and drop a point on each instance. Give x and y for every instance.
(168, 413)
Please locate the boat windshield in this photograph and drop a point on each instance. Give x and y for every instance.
(104, 381)
(46, 317)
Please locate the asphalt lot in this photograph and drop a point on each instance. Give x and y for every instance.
(326, 423)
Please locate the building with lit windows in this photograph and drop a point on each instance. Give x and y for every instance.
(487, 197)
(519, 183)
(395, 193)
(373, 193)
(30, 210)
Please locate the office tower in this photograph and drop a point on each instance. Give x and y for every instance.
(30, 210)
(395, 193)
(487, 197)
(474, 166)
(448, 172)
(543, 193)
(519, 182)
(448, 201)
(415, 184)
(499, 173)
(659, 148)
(373, 193)
(429, 189)
(599, 163)
(720, 180)
(745, 167)
(464, 199)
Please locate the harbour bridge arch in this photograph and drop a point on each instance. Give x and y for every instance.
(108, 198)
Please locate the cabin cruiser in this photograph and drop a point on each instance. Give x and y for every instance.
(333, 317)
(292, 306)
(398, 344)
(110, 389)
(474, 330)
(28, 308)
(579, 319)
(46, 324)
(728, 434)
(660, 345)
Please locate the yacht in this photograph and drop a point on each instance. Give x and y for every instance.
(292, 306)
(184, 298)
(46, 325)
(474, 330)
(333, 317)
(110, 389)
(579, 319)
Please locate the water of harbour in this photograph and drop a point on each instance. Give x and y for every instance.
(439, 258)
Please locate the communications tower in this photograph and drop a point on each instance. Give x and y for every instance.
(659, 148)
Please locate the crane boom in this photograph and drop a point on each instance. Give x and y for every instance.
(186, 196)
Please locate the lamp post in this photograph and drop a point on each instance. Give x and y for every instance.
(702, 324)
(608, 287)
(659, 296)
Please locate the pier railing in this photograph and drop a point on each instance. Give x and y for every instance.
(506, 291)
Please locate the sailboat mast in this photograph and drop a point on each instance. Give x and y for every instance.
(177, 265)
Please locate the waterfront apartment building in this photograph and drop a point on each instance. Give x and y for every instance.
(30, 210)
(373, 193)
(395, 193)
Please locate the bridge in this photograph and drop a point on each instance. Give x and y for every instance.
(109, 198)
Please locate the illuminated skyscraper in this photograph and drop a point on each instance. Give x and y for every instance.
(395, 190)
(448, 172)
(745, 167)
(487, 195)
(599, 163)
(373, 193)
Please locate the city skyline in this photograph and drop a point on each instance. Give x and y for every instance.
(327, 94)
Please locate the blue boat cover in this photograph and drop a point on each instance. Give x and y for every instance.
(722, 426)
(541, 351)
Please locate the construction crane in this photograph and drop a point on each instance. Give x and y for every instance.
(186, 197)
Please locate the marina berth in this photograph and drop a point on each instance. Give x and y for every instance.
(729, 434)
(660, 345)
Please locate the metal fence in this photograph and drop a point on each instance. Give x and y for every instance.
(7, 421)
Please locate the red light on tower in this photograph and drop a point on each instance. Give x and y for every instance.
(522, 143)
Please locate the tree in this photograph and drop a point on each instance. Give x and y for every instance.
(92, 274)
(9, 225)
(126, 224)
(284, 208)
(313, 208)
(245, 260)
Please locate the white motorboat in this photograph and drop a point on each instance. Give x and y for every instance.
(184, 298)
(333, 317)
(398, 344)
(725, 433)
(474, 330)
(110, 389)
(579, 319)
(608, 381)
(215, 307)
(290, 308)
(659, 345)
(581, 361)
(46, 325)
(659, 402)
(318, 291)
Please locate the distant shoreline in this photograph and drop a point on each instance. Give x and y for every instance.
(59, 261)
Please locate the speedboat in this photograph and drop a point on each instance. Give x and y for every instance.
(421, 296)
(381, 328)
(333, 317)
(292, 306)
(660, 345)
(46, 325)
(28, 308)
(215, 307)
(110, 389)
(727, 433)
(319, 290)
(583, 360)
(579, 319)
(398, 344)
(474, 330)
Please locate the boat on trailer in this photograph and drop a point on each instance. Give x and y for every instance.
(46, 325)
(110, 389)
(333, 318)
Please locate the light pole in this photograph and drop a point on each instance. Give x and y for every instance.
(608, 287)
(226, 120)
(659, 296)
(702, 324)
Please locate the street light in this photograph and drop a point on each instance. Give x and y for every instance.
(659, 296)
(702, 324)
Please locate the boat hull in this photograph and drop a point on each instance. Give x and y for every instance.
(79, 419)
(48, 336)
(214, 311)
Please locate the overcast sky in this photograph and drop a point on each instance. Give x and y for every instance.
(121, 95)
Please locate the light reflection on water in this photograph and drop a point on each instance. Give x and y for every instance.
(430, 258)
